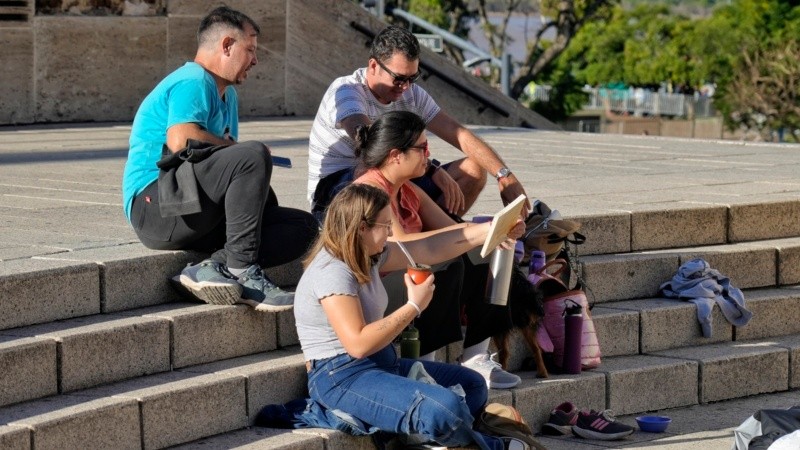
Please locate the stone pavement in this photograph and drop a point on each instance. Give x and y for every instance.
(60, 185)
(59, 192)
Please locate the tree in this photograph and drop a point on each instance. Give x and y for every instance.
(569, 16)
(758, 88)
(763, 93)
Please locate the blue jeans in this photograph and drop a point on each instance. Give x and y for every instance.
(376, 392)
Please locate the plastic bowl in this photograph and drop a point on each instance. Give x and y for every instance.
(653, 424)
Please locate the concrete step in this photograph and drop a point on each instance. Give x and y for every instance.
(625, 276)
(708, 426)
(86, 282)
(172, 407)
(673, 378)
(92, 281)
(646, 326)
(254, 438)
(79, 353)
(112, 279)
(204, 400)
(650, 227)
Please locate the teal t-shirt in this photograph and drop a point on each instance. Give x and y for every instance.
(187, 95)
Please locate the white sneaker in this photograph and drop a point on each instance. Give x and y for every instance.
(496, 377)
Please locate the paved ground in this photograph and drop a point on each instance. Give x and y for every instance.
(698, 427)
(60, 191)
(59, 185)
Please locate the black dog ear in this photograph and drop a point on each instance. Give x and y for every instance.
(524, 300)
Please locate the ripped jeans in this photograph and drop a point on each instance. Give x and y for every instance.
(375, 393)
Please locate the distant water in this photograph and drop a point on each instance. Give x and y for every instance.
(521, 29)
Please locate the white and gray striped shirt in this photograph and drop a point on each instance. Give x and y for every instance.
(330, 148)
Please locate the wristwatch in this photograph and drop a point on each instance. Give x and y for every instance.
(433, 166)
(502, 173)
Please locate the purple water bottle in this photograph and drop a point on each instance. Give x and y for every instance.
(573, 331)
(537, 262)
(519, 250)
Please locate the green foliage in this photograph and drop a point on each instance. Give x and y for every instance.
(648, 45)
(645, 43)
(566, 97)
(431, 10)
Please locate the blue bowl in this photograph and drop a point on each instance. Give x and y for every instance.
(653, 424)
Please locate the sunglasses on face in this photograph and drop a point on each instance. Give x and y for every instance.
(400, 80)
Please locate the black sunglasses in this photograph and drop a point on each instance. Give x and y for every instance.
(400, 80)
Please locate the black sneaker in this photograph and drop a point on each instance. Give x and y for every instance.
(600, 425)
(261, 293)
(561, 420)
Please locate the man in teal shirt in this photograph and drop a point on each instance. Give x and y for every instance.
(212, 192)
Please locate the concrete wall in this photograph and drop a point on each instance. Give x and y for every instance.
(82, 68)
(706, 128)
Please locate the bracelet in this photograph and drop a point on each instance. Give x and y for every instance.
(419, 311)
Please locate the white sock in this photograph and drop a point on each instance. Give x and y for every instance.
(236, 272)
(428, 356)
(474, 350)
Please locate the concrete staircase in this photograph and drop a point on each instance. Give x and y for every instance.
(98, 351)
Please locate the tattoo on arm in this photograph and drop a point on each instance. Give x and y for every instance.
(396, 322)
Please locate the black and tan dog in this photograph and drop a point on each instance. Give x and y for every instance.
(526, 310)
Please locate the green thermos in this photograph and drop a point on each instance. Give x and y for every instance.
(409, 343)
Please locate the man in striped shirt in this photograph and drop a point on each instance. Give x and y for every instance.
(387, 84)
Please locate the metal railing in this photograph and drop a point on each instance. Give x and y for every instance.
(636, 102)
(503, 63)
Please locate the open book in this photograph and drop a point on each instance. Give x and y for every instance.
(502, 223)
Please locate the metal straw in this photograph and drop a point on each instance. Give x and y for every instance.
(408, 255)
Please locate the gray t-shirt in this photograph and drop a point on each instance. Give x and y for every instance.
(324, 277)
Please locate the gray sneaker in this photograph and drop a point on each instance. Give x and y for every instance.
(261, 293)
(210, 282)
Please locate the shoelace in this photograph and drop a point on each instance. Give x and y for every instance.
(606, 414)
(257, 275)
(488, 361)
(219, 268)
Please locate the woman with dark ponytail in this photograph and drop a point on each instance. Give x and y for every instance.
(391, 152)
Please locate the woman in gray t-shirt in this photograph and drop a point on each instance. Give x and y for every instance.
(354, 371)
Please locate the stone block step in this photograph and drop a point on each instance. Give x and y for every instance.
(68, 421)
(707, 426)
(102, 280)
(626, 276)
(689, 226)
(737, 369)
(79, 353)
(200, 401)
(628, 385)
(668, 379)
(276, 439)
(172, 407)
(646, 326)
